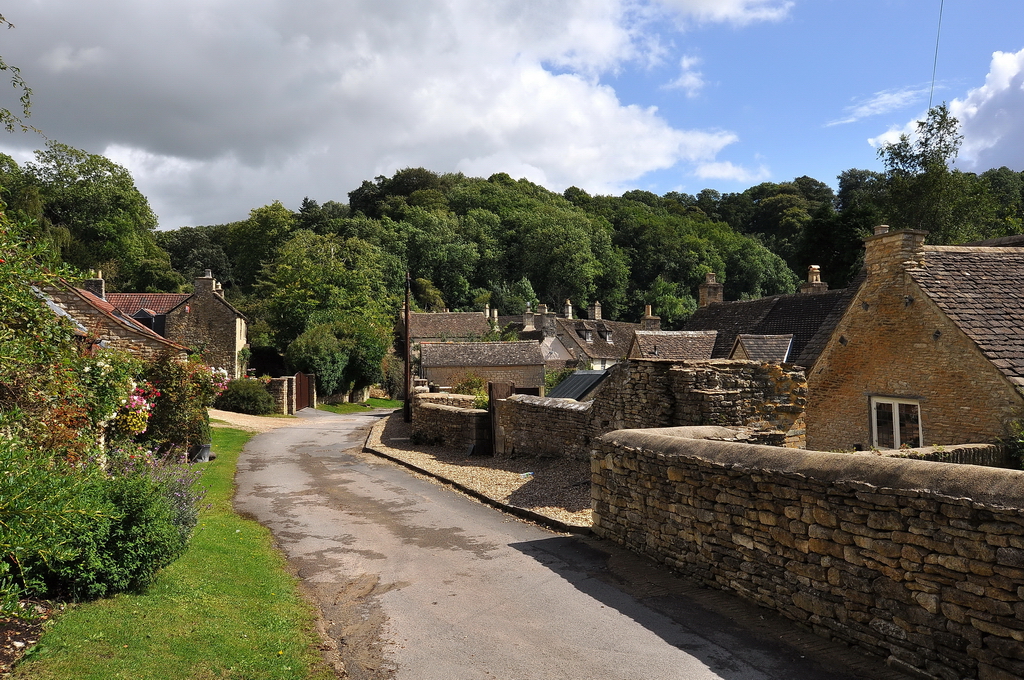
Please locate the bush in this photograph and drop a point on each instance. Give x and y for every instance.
(246, 396)
(179, 415)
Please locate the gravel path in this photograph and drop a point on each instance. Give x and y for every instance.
(555, 488)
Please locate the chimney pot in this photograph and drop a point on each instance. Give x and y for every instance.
(710, 291)
(650, 322)
(542, 309)
(813, 283)
(568, 308)
(882, 229)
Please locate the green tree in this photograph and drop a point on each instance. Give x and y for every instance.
(10, 120)
(253, 242)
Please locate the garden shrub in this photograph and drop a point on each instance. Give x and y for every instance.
(179, 415)
(246, 396)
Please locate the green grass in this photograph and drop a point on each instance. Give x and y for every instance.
(227, 609)
(359, 408)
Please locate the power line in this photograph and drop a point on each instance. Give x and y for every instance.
(935, 61)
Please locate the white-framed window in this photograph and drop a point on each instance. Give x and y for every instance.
(587, 335)
(895, 422)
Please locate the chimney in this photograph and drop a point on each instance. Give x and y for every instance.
(206, 283)
(892, 252)
(568, 308)
(813, 283)
(710, 291)
(218, 290)
(650, 322)
(528, 320)
(487, 311)
(95, 284)
(547, 321)
(594, 311)
(494, 314)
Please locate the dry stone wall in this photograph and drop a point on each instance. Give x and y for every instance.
(540, 426)
(450, 419)
(921, 562)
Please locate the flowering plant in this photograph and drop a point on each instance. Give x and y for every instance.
(133, 417)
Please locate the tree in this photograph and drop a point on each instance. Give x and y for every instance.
(108, 221)
(8, 118)
(252, 242)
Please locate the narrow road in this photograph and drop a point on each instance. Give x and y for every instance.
(418, 582)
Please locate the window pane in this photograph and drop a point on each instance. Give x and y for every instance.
(884, 434)
(910, 430)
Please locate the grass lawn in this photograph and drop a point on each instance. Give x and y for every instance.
(227, 609)
(359, 408)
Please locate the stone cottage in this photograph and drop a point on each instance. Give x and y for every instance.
(930, 351)
(673, 345)
(99, 321)
(202, 320)
(521, 363)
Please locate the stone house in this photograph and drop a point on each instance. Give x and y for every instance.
(521, 363)
(570, 342)
(929, 352)
(202, 320)
(99, 321)
(778, 329)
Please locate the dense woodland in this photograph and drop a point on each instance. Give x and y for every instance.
(322, 284)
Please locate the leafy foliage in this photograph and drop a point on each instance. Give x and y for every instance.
(245, 395)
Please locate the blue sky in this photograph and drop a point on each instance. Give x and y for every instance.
(220, 106)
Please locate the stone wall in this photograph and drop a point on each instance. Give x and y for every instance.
(283, 392)
(451, 420)
(920, 562)
(540, 426)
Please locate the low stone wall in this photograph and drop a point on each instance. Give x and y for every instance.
(545, 427)
(989, 455)
(450, 419)
(283, 392)
(921, 562)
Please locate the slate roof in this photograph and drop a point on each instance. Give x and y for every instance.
(675, 345)
(448, 325)
(809, 317)
(771, 348)
(982, 291)
(609, 339)
(156, 303)
(522, 353)
(577, 385)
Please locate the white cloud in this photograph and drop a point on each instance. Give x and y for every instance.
(992, 117)
(881, 103)
(221, 106)
(689, 80)
(725, 170)
(734, 11)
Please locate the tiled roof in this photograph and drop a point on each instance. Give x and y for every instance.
(110, 311)
(157, 303)
(445, 325)
(982, 291)
(807, 316)
(523, 353)
(608, 339)
(772, 348)
(675, 345)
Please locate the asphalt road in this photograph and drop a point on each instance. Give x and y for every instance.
(416, 581)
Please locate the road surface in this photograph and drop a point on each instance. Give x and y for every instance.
(416, 581)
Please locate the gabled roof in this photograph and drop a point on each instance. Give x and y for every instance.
(449, 325)
(522, 353)
(769, 348)
(120, 318)
(157, 303)
(577, 385)
(608, 339)
(810, 318)
(981, 290)
(675, 345)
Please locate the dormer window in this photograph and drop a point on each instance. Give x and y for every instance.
(586, 334)
(605, 335)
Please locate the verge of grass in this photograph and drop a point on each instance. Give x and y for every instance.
(227, 609)
(370, 403)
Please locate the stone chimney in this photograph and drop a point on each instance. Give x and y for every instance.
(568, 308)
(594, 311)
(545, 321)
(887, 253)
(528, 320)
(218, 290)
(650, 322)
(95, 284)
(487, 311)
(813, 283)
(206, 283)
(494, 315)
(710, 291)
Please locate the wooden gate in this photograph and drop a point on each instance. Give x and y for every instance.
(303, 390)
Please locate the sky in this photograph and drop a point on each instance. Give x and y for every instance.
(221, 106)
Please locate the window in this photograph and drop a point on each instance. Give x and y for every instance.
(895, 423)
(605, 335)
(586, 335)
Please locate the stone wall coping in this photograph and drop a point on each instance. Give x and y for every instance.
(457, 409)
(552, 402)
(996, 486)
